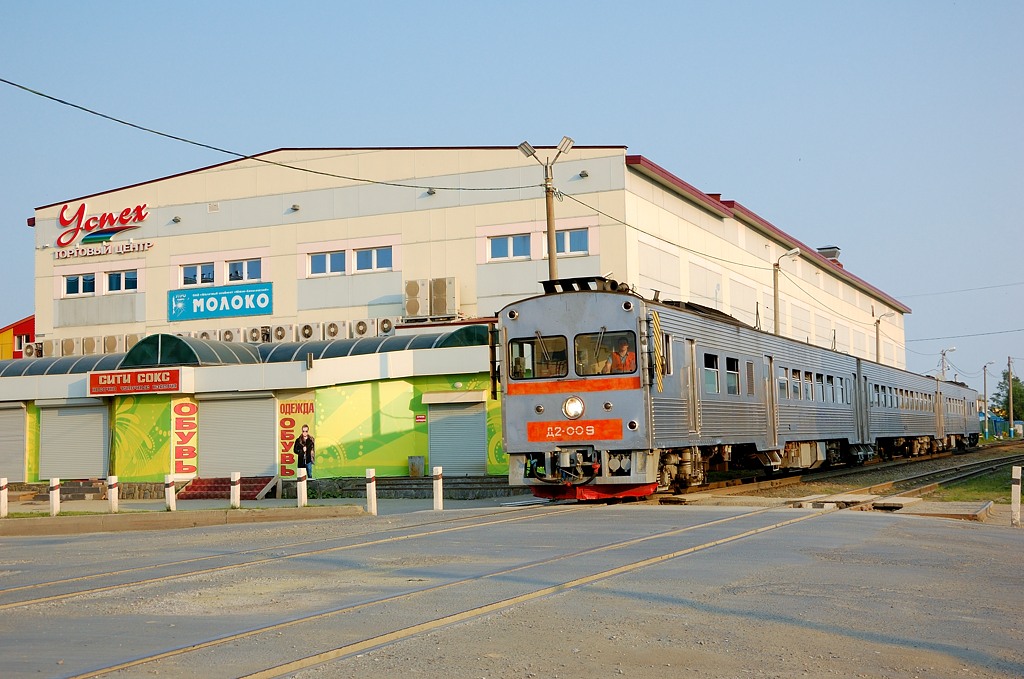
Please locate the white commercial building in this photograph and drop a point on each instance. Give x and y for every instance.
(312, 243)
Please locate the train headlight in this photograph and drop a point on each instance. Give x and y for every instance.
(573, 407)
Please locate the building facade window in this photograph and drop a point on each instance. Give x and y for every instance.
(123, 281)
(245, 270)
(197, 274)
(80, 285)
(509, 247)
(374, 259)
(578, 241)
(327, 263)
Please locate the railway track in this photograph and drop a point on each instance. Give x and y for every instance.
(354, 623)
(888, 470)
(358, 622)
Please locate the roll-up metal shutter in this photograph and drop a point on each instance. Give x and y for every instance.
(237, 435)
(12, 444)
(458, 438)
(73, 442)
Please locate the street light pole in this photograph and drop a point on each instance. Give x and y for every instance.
(878, 335)
(795, 252)
(549, 198)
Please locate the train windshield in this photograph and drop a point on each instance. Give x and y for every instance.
(538, 357)
(600, 353)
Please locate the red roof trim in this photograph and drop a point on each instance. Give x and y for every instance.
(690, 191)
(730, 208)
(17, 323)
(812, 253)
(315, 148)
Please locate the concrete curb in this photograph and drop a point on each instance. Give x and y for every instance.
(150, 520)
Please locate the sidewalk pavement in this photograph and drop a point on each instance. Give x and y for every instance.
(153, 515)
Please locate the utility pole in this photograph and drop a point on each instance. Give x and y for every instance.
(943, 354)
(549, 198)
(1009, 388)
(984, 369)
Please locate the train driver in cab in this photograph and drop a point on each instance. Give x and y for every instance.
(623, 360)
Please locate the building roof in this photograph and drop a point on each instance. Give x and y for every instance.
(732, 208)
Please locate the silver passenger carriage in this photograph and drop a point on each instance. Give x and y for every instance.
(702, 392)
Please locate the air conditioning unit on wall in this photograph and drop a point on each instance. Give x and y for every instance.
(282, 333)
(71, 346)
(52, 348)
(184, 333)
(113, 344)
(92, 345)
(364, 327)
(206, 334)
(417, 298)
(232, 335)
(33, 350)
(335, 330)
(444, 297)
(306, 332)
(386, 326)
(131, 339)
(259, 333)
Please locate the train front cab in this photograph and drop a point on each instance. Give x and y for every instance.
(574, 415)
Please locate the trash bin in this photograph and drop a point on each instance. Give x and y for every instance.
(416, 466)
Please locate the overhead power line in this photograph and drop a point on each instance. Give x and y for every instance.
(245, 156)
(974, 334)
(950, 292)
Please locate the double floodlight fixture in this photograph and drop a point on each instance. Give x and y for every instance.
(564, 146)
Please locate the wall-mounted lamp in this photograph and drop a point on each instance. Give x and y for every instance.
(176, 219)
(431, 191)
(296, 207)
(584, 174)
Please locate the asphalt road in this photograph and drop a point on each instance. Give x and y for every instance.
(718, 592)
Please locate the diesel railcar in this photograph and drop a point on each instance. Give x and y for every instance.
(606, 394)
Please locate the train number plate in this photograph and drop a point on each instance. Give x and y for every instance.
(585, 430)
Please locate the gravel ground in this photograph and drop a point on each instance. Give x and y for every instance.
(900, 603)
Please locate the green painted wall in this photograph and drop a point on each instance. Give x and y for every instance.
(356, 426)
(374, 425)
(141, 449)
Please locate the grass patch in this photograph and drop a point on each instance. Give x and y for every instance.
(994, 486)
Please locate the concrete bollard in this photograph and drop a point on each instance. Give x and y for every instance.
(1015, 498)
(54, 496)
(113, 494)
(3, 498)
(236, 490)
(438, 490)
(170, 496)
(371, 491)
(300, 488)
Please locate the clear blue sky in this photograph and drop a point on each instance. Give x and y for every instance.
(894, 130)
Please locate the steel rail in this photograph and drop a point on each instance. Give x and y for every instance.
(419, 628)
(255, 562)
